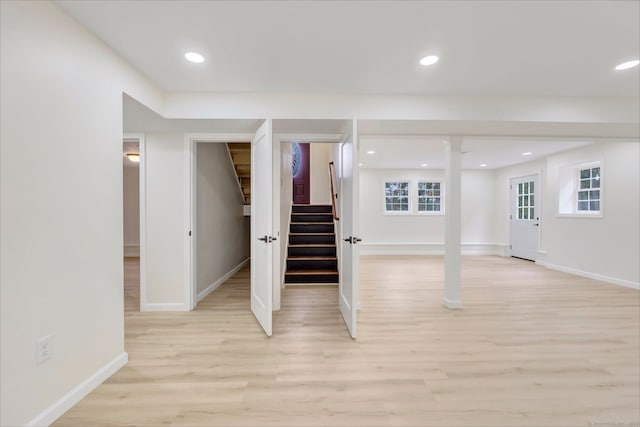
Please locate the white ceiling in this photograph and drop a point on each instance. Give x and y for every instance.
(406, 152)
(489, 48)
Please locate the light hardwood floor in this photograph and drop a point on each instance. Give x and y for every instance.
(531, 347)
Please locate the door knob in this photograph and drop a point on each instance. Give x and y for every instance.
(264, 239)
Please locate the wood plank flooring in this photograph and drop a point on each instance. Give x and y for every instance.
(531, 347)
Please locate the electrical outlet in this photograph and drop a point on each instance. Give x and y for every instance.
(43, 349)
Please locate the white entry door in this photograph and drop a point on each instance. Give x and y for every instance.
(348, 289)
(261, 227)
(525, 216)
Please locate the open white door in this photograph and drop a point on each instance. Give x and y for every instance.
(261, 227)
(348, 289)
(525, 215)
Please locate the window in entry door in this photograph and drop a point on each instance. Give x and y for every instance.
(526, 200)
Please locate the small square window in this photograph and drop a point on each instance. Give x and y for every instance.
(396, 195)
(429, 196)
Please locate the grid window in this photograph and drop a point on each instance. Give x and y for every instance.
(429, 197)
(396, 196)
(526, 200)
(589, 190)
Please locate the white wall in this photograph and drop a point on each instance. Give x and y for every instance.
(478, 209)
(319, 174)
(417, 233)
(61, 208)
(166, 205)
(131, 209)
(222, 231)
(607, 246)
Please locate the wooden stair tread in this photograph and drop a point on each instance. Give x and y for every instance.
(312, 223)
(310, 213)
(310, 272)
(312, 245)
(312, 258)
(312, 234)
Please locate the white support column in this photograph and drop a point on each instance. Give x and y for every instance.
(452, 222)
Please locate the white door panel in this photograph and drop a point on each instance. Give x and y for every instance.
(348, 289)
(261, 227)
(524, 217)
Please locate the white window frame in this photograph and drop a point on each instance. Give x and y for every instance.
(409, 195)
(417, 210)
(569, 186)
(413, 207)
(588, 190)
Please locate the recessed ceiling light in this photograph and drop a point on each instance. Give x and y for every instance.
(484, 165)
(628, 64)
(194, 57)
(360, 164)
(527, 153)
(371, 152)
(424, 165)
(429, 60)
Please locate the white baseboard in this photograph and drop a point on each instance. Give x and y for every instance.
(589, 275)
(451, 304)
(484, 249)
(164, 306)
(212, 287)
(55, 411)
(430, 249)
(131, 250)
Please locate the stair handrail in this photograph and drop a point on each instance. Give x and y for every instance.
(235, 171)
(334, 196)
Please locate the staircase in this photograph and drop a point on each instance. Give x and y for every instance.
(240, 153)
(311, 253)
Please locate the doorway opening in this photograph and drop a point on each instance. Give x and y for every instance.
(311, 255)
(131, 223)
(221, 224)
(311, 206)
